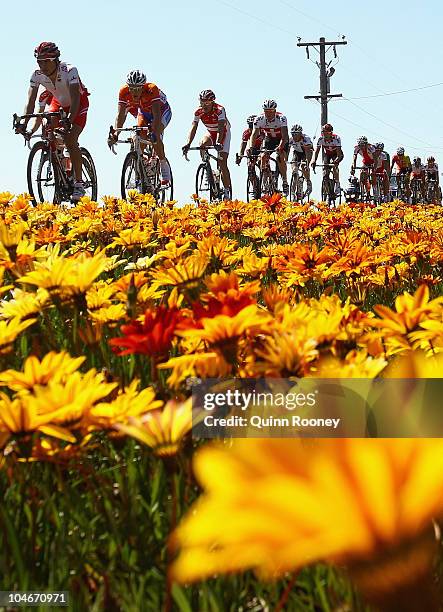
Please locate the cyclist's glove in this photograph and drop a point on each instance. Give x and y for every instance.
(185, 149)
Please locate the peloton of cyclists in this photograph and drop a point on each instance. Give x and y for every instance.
(62, 81)
(303, 149)
(149, 105)
(213, 116)
(274, 125)
(332, 153)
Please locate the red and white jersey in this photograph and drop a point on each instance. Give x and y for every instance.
(418, 170)
(211, 119)
(300, 145)
(271, 128)
(330, 146)
(44, 100)
(257, 142)
(367, 153)
(381, 160)
(66, 75)
(431, 169)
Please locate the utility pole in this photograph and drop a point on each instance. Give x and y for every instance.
(326, 71)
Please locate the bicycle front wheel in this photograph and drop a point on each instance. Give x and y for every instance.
(167, 192)
(89, 174)
(293, 187)
(130, 178)
(266, 183)
(204, 182)
(43, 182)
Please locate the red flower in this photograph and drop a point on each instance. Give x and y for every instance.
(272, 201)
(152, 337)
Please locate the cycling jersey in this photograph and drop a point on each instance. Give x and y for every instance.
(418, 171)
(44, 99)
(211, 118)
(300, 145)
(367, 154)
(331, 146)
(66, 75)
(431, 169)
(402, 162)
(381, 162)
(272, 127)
(150, 94)
(257, 142)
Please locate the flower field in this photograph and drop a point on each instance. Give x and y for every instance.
(108, 309)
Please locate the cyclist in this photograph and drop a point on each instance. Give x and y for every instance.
(254, 152)
(403, 166)
(431, 173)
(274, 125)
(418, 173)
(63, 82)
(149, 105)
(303, 149)
(382, 168)
(369, 156)
(330, 143)
(44, 102)
(213, 117)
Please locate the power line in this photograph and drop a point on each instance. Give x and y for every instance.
(259, 19)
(394, 93)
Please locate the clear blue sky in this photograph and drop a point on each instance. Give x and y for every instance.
(245, 51)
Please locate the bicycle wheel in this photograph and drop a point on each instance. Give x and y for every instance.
(266, 182)
(89, 174)
(43, 183)
(327, 189)
(166, 192)
(293, 187)
(252, 191)
(130, 178)
(204, 182)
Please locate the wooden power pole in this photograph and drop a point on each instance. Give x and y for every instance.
(326, 71)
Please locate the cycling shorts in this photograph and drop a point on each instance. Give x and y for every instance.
(381, 171)
(330, 157)
(226, 142)
(145, 118)
(271, 144)
(80, 118)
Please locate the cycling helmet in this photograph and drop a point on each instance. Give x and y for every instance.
(296, 129)
(251, 119)
(46, 50)
(362, 140)
(380, 145)
(269, 105)
(400, 151)
(327, 128)
(431, 159)
(417, 160)
(207, 94)
(136, 78)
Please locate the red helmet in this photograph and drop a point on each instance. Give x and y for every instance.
(327, 128)
(47, 50)
(207, 94)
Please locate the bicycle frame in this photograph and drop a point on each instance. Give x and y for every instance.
(214, 186)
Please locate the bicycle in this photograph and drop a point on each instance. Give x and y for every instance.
(252, 181)
(141, 168)
(268, 176)
(52, 180)
(328, 185)
(207, 180)
(432, 191)
(416, 190)
(401, 186)
(297, 191)
(365, 179)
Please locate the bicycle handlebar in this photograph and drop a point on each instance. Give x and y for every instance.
(135, 128)
(205, 148)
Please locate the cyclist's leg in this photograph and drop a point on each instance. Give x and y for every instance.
(223, 163)
(206, 141)
(159, 146)
(282, 160)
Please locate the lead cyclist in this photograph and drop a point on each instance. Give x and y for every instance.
(68, 93)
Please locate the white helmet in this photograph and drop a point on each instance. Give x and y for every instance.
(136, 78)
(269, 104)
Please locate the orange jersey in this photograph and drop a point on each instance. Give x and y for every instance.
(150, 94)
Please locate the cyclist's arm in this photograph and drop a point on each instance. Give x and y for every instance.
(284, 135)
(30, 105)
(192, 133)
(243, 147)
(354, 160)
(317, 151)
(121, 116)
(74, 90)
(35, 126)
(221, 131)
(157, 117)
(340, 154)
